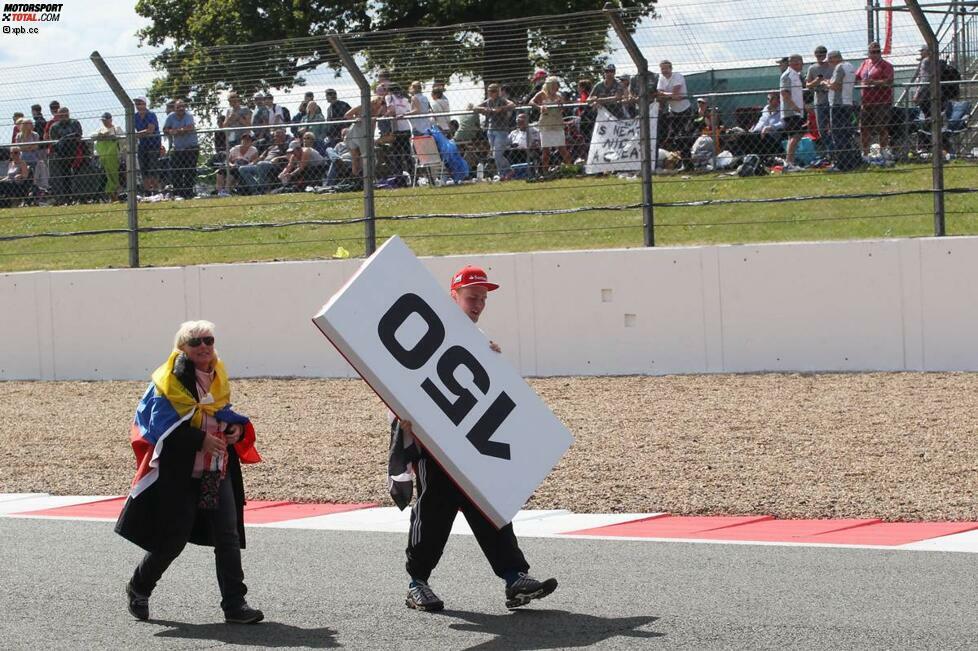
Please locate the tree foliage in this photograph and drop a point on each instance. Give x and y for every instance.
(251, 45)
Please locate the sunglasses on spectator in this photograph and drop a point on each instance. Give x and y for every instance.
(196, 341)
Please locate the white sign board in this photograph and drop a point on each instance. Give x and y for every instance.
(615, 144)
(470, 409)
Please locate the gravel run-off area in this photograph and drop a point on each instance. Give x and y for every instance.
(898, 446)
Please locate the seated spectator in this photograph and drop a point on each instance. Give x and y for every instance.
(244, 153)
(524, 144)
(257, 176)
(16, 183)
(764, 138)
(705, 120)
(339, 161)
(305, 166)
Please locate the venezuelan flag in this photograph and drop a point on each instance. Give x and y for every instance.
(166, 405)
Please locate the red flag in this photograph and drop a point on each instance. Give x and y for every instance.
(888, 38)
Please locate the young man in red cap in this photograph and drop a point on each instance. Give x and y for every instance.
(439, 499)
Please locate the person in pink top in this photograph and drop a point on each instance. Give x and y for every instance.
(876, 74)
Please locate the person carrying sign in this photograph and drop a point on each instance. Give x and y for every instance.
(439, 499)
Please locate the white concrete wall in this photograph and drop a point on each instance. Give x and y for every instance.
(826, 306)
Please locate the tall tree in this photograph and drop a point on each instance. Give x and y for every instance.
(249, 45)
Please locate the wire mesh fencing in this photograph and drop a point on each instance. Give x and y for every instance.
(510, 135)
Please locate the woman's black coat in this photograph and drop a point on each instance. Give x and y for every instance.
(167, 510)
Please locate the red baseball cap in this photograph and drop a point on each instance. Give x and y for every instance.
(472, 277)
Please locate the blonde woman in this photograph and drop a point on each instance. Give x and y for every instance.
(551, 124)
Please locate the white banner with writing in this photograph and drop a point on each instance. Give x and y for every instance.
(615, 142)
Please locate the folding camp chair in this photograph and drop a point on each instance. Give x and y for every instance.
(426, 157)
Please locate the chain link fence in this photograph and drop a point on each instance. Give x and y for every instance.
(528, 133)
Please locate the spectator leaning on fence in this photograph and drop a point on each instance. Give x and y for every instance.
(439, 104)
(39, 122)
(609, 93)
(876, 73)
(148, 148)
(180, 127)
(111, 147)
(420, 110)
(792, 109)
(497, 110)
(816, 81)
(551, 105)
(356, 137)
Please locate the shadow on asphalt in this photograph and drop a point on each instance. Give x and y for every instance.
(548, 629)
(269, 634)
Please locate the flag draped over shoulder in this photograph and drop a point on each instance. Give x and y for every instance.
(166, 405)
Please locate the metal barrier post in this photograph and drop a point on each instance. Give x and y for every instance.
(936, 118)
(367, 150)
(130, 112)
(645, 132)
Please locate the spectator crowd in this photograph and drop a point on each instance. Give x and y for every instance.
(536, 131)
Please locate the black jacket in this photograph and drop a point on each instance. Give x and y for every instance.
(168, 508)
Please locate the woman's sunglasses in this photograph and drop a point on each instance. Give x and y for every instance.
(196, 341)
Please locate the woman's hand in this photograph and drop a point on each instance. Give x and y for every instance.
(493, 346)
(214, 444)
(406, 427)
(233, 434)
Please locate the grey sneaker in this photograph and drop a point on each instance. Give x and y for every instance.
(420, 596)
(138, 604)
(525, 589)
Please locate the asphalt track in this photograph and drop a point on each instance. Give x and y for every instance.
(61, 587)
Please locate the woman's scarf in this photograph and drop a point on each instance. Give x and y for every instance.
(167, 404)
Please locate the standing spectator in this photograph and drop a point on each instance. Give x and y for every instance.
(16, 125)
(420, 108)
(782, 65)
(496, 109)
(506, 92)
(356, 137)
(842, 113)
(921, 96)
(676, 113)
(66, 133)
(336, 109)
(550, 103)
(300, 112)
(189, 447)
(236, 116)
(278, 114)
(55, 106)
(314, 122)
(609, 93)
(876, 74)
(111, 147)
(792, 109)
(385, 127)
(180, 127)
(470, 138)
(257, 176)
(260, 119)
(398, 106)
(148, 150)
(439, 104)
(817, 81)
(39, 122)
(242, 154)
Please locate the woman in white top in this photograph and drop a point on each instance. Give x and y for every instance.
(551, 124)
(421, 107)
(439, 104)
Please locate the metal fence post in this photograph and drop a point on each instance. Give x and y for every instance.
(129, 111)
(645, 132)
(367, 150)
(936, 118)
